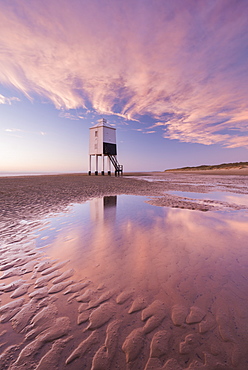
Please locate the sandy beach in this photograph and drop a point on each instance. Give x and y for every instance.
(166, 288)
(220, 172)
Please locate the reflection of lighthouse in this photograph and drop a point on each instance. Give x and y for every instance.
(103, 208)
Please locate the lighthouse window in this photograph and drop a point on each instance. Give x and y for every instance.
(96, 133)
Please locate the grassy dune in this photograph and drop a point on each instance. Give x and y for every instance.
(223, 166)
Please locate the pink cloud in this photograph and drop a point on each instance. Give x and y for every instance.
(183, 60)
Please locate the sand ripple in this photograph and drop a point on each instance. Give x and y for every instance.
(52, 320)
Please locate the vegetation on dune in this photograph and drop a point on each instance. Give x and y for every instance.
(223, 166)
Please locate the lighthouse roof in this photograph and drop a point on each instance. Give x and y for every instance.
(102, 123)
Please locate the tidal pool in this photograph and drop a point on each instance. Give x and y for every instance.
(195, 263)
(161, 288)
(127, 243)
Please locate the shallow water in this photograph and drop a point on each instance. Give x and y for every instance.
(122, 238)
(200, 182)
(223, 196)
(183, 258)
(155, 272)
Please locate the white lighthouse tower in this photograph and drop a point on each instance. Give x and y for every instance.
(103, 144)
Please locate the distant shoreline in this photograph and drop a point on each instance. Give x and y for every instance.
(231, 172)
(238, 168)
(36, 174)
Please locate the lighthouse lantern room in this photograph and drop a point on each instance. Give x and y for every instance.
(103, 144)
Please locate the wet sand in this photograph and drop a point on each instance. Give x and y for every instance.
(235, 171)
(52, 319)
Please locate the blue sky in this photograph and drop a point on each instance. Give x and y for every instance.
(171, 78)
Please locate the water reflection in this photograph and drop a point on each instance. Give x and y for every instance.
(158, 288)
(170, 252)
(193, 263)
(103, 208)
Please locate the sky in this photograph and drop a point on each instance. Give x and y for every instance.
(171, 76)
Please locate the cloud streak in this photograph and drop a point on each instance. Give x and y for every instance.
(184, 63)
(5, 100)
(12, 131)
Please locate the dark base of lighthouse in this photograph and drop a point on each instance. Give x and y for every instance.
(102, 173)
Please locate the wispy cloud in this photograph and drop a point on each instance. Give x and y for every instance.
(183, 63)
(5, 100)
(13, 130)
(69, 115)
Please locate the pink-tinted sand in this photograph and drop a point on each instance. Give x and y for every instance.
(174, 297)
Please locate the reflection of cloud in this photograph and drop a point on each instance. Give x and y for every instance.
(183, 63)
(174, 252)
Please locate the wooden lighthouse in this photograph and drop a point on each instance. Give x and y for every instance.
(103, 145)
